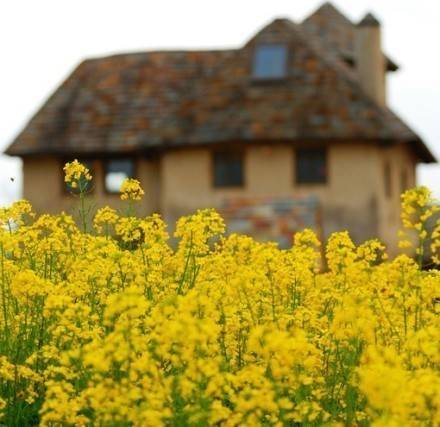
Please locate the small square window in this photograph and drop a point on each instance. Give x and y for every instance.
(270, 61)
(87, 185)
(311, 166)
(116, 171)
(228, 169)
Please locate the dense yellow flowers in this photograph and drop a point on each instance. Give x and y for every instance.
(417, 215)
(116, 327)
(76, 173)
(131, 190)
(104, 219)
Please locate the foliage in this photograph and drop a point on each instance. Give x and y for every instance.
(114, 327)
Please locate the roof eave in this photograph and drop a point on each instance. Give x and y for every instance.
(422, 151)
(391, 65)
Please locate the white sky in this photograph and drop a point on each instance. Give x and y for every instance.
(41, 41)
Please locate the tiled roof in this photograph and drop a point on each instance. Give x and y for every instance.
(156, 100)
(336, 32)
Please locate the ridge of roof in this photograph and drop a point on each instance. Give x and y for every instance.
(336, 30)
(369, 20)
(330, 8)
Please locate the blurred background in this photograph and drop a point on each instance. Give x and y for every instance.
(42, 41)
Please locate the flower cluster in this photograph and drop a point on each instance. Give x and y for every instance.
(120, 326)
(418, 211)
(16, 214)
(76, 175)
(131, 190)
(104, 219)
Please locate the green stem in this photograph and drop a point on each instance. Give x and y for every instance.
(5, 313)
(83, 210)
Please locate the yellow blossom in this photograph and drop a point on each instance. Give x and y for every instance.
(130, 328)
(75, 172)
(131, 190)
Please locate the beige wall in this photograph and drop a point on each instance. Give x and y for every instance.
(43, 186)
(349, 199)
(181, 181)
(400, 161)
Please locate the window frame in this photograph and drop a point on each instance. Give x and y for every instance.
(105, 171)
(273, 78)
(296, 155)
(240, 153)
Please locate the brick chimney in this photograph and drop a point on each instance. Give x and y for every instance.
(370, 62)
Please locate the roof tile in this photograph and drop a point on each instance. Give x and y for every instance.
(144, 101)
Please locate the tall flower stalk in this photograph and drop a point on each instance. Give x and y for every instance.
(77, 177)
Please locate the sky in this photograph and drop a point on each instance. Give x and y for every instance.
(42, 41)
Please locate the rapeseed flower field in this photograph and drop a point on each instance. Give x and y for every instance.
(104, 322)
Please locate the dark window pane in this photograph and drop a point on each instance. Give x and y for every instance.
(311, 166)
(116, 171)
(83, 182)
(228, 169)
(270, 61)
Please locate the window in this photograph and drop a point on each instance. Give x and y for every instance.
(115, 172)
(270, 61)
(228, 169)
(88, 185)
(387, 180)
(311, 166)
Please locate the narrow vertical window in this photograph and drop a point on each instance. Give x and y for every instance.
(387, 180)
(311, 166)
(228, 169)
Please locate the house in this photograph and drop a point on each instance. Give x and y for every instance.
(296, 119)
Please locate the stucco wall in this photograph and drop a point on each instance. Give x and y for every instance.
(180, 181)
(401, 161)
(41, 183)
(349, 199)
(43, 186)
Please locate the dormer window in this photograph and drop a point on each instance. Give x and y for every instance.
(270, 61)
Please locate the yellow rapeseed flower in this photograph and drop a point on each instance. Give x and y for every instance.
(131, 190)
(75, 172)
(131, 328)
